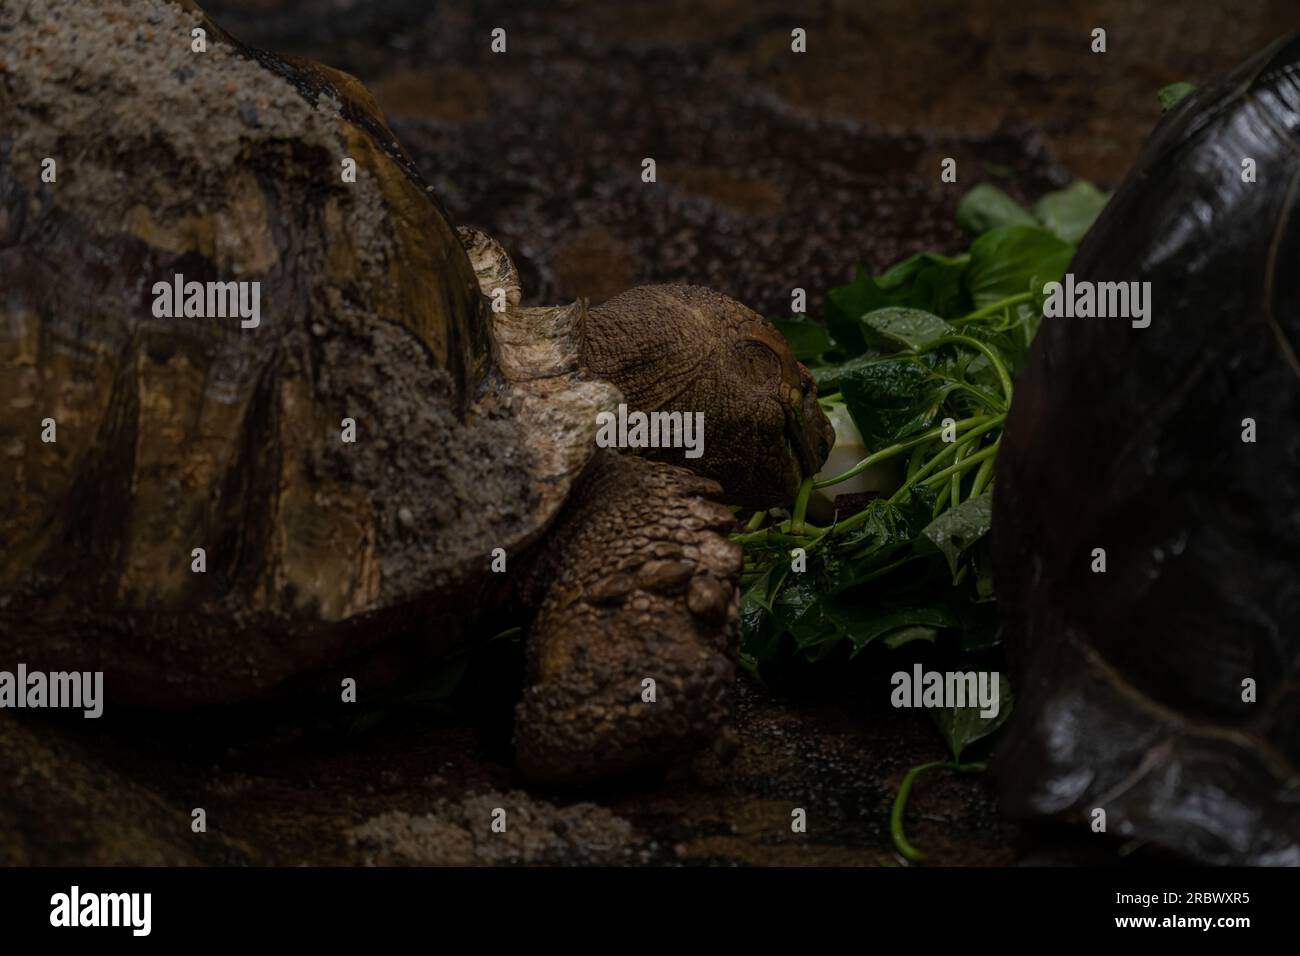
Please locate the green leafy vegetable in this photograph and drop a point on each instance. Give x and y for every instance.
(923, 358)
(986, 207)
(963, 726)
(907, 635)
(1069, 213)
(893, 398)
(1014, 261)
(807, 340)
(1172, 94)
(906, 327)
(957, 530)
(927, 281)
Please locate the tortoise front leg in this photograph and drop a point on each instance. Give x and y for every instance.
(631, 657)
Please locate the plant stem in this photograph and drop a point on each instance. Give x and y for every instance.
(801, 506)
(954, 491)
(778, 535)
(982, 478)
(939, 477)
(984, 398)
(1004, 377)
(756, 522)
(909, 852)
(994, 307)
(951, 447)
(886, 453)
(914, 463)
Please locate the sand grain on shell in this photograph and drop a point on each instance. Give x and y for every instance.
(122, 75)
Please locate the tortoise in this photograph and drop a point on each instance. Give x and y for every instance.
(1164, 691)
(226, 504)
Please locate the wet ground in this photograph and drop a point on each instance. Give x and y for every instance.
(775, 170)
(281, 786)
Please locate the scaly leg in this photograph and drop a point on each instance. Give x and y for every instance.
(638, 583)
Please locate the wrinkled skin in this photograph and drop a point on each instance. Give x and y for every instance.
(641, 587)
(316, 550)
(682, 348)
(642, 580)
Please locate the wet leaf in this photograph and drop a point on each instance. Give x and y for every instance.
(893, 398)
(911, 328)
(954, 531)
(929, 282)
(963, 726)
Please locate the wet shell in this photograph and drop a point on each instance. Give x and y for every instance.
(1134, 682)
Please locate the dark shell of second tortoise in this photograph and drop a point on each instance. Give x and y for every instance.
(1130, 690)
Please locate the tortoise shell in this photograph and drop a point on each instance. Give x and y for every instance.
(1164, 690)
(173, 434)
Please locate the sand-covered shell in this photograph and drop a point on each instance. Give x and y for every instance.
(202, 505)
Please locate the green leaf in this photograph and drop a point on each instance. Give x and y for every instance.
(881, 544)
(1009, 260)
(977, 619)
(954, 531)
(818, 622)
(917, 507)
(846, 304)
(807, 339)
(1069, 213)
(986, 207)
(893, 398)
(1008, 346)
(905, 274)
(760, 640)
(926, 281)
(962, 726)
(910, 328)
(863, 627)
(1172, 94)
(829, 378)
(907, 635)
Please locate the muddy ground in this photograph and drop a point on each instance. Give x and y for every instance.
(775, 170)
(288, 784)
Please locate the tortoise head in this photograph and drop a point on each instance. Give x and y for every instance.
(687, 349)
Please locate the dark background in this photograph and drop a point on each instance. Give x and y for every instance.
(775, 169)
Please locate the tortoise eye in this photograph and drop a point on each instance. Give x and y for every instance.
(761, 360)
